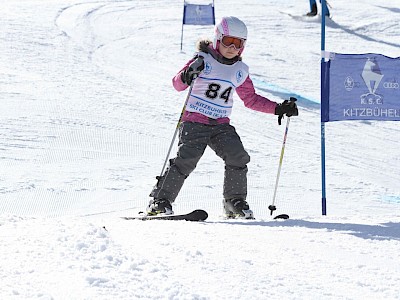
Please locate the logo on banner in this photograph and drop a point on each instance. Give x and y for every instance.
(349, 83)
(199, 13)
(372, 77)
(393, 84)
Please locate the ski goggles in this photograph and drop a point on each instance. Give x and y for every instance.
(228, 41)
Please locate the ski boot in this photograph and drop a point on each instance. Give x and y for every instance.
(159, 207)
(313, 11)
(237, 208)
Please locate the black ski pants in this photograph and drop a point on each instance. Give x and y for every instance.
(193, 140)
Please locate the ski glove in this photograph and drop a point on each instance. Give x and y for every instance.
(192, 71)
(288, 108)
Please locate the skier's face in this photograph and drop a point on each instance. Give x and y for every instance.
(228, 52)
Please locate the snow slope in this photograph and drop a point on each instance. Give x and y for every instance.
(88, 113)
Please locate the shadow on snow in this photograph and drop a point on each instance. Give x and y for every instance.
(384, 231)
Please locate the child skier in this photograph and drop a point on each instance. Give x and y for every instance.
(215, 72)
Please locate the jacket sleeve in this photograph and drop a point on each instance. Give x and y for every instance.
(247, 93)
(177, 80)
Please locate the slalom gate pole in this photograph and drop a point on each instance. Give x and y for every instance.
(272, 207)
(323, 78)
(177, 128)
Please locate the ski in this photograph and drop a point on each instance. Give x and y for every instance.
(282, 217)
(194, 216)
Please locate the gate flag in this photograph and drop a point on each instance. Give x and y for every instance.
(361, 87)
(356, 87)
(197, 14)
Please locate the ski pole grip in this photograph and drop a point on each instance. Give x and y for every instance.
(198, 64)
(292, 101)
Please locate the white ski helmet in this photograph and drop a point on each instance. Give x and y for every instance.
(231, 26)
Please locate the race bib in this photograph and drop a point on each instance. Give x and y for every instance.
(212, 92)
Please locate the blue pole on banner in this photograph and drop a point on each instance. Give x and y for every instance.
(323, 74)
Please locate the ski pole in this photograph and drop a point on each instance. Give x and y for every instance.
(177, 127)
(272, 207)
(194, 69)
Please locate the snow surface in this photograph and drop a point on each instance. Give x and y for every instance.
(88, 113)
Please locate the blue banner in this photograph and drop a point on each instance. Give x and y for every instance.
(361, 87)
(194, 14)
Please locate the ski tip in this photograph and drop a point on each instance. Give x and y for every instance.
(202, 214)
(282, 217)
